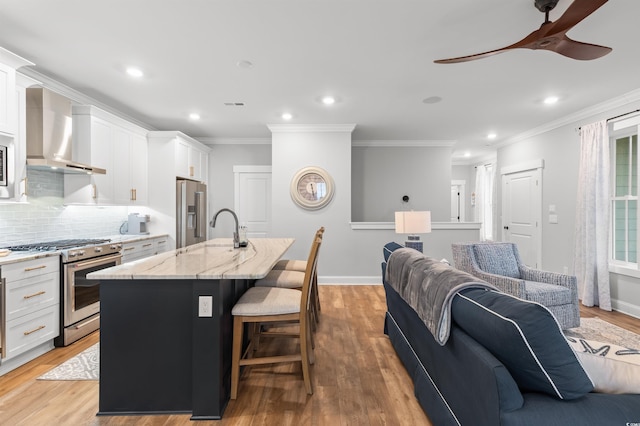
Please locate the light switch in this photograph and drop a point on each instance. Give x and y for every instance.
(552, 208)
(553, 218)
(205, 306)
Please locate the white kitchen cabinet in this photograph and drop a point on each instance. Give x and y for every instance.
(130, 168)
(191, 159)
(143, 248)
(13, 124)
(31, 304)
(116, 145)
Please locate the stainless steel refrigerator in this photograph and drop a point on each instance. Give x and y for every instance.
(191, 213)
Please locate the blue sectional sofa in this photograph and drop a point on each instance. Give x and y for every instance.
(505, 362)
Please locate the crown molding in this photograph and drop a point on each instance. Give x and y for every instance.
(14, 61)
(603, 107)
(311, 128)
(403, 143)
(235, 141)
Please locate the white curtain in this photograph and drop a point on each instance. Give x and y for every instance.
(485, 177)
(592, 217)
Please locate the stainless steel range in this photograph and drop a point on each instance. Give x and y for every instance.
(80, 296)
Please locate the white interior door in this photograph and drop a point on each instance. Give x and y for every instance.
(253, 199)
(521, 213)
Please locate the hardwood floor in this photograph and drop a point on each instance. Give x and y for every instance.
(357, 377)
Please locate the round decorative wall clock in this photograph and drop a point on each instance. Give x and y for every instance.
(312, 188)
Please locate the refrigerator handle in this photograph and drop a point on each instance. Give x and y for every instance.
(200, 214)
(181, 232)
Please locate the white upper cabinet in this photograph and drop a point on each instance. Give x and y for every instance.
(108, 142)
(7, 99)
(191, 159)
(13, 126)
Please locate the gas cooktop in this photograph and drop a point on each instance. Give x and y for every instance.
(56, 245)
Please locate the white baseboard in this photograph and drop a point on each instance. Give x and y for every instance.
(625, 308)
(336, 280)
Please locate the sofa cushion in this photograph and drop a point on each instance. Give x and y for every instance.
(547, 294)
(613, 368)
(497, 259)
(526, 338)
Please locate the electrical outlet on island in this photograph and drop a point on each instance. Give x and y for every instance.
(205, 306)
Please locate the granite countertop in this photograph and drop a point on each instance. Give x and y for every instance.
(21, 256)
(212, 259)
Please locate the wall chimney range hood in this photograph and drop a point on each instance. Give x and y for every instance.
(49, 133)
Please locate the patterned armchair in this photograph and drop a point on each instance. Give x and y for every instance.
(500, 265)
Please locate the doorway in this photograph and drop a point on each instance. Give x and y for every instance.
(457, 200)
(521, 212)
(252, 199)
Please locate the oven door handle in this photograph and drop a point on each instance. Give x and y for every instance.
(98, 261)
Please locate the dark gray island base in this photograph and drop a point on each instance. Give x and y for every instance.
(159, 353)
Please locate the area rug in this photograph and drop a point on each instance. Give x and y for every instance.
(602, 331)
(84, 366)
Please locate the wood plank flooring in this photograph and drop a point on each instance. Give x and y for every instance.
(357, 377)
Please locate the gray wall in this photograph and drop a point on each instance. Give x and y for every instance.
(559, 148)
(382, 175)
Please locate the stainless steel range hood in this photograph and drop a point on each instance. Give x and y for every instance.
(49, 133)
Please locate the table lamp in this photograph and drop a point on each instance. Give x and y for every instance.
(413, 223)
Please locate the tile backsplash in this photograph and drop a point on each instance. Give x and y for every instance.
(45, 217)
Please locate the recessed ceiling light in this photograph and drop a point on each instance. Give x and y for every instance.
(287, 116)
(135, 72)
(194, 116)
(432, 100)
(551, 100)
(244, 64)
(328, 100)
(492, 136)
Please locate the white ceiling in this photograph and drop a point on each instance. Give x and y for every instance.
(375, 56)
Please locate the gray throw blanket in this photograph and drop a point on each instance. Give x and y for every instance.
(428, 286)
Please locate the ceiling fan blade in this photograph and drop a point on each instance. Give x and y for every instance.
(576, 12)
(577, 50)
(525, 42)
(471, 57)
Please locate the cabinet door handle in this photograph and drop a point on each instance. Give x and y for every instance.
(24, 190)
(29, 296)
(35, 268)
(94, 191)
(26, 333)
(191, 171)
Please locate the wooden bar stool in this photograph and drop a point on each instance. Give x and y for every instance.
(284, 275)
(275, 306)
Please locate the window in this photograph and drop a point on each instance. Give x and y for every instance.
(624, 207)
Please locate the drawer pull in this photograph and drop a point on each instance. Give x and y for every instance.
(35, 268)
(162, 242)
(147, 245)
(129, 248)
(26, 333)
(29, 296)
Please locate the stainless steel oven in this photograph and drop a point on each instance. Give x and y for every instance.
(80, 296)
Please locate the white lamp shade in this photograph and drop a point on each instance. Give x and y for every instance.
(413, 222)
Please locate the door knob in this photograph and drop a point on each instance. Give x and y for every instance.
(505, 227)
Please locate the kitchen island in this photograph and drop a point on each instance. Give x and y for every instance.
(166, 326)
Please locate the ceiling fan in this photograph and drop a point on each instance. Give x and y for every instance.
(552, 35)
